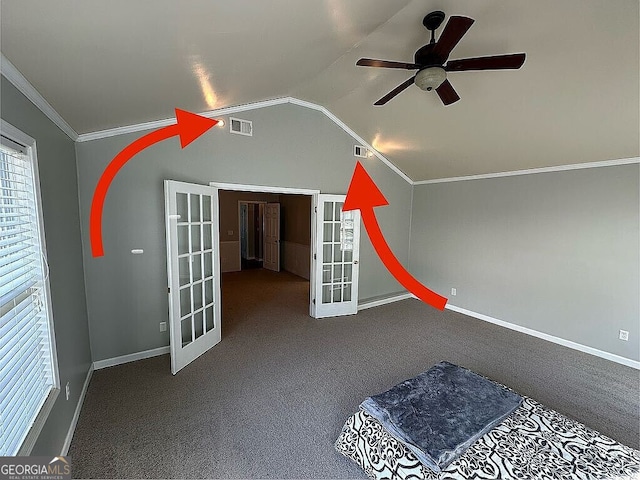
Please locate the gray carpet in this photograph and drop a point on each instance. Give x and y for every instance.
(271, 398)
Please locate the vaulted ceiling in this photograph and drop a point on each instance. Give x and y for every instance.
(108, 63)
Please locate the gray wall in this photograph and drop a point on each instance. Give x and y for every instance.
(59, 189)
(292, 146)
(554, 252)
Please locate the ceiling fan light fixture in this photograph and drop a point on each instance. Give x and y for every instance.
(430, 78)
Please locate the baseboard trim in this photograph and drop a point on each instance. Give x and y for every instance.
(545, 336)
(76, 414)
(132, 357)
(384, 301)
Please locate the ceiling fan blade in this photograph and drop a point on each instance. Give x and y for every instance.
(370, 62)
(395, 91)
(447, 93)
(454, 30)
(497, 62)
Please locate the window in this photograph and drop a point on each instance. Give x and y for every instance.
(28, 367)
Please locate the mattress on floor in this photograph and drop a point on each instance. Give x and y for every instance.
(534, 442)
(441, 412)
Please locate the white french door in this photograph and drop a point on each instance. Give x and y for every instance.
(193, 269)
(337, 257)
(271, 227)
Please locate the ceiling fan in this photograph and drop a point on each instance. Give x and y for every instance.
(430, 60)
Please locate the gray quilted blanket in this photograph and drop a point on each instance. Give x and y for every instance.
(440, 413)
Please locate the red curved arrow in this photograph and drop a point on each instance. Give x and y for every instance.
(364, 195)
(189, 126)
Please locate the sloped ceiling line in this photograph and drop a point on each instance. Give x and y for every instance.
(13, 75)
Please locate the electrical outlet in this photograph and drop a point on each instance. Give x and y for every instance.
(163, 326)
(454, 292)
(67, 390)
(624, 335)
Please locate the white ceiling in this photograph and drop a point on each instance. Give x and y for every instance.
(109, 63)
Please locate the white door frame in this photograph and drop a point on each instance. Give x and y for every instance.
(287, 191)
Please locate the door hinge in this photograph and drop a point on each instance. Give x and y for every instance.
(314, 301)
(168, 289)
(315, 257)
(315, 209)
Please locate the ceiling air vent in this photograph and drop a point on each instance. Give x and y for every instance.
(360, 151)
(241, 127)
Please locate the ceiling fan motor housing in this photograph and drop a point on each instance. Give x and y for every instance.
(425, 56)
(430, 78)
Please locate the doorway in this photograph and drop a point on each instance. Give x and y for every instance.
(330, 261)
(196, 255)
(295, 244)
(250, 221)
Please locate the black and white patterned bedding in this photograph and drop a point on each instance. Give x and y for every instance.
(534, 442)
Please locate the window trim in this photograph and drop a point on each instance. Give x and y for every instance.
(15, 135)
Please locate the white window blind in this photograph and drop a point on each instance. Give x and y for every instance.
(27, 375)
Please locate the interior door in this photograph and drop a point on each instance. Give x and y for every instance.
(338, 254)
(193, 269)
(272, 237)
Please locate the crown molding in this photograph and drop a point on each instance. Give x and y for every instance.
(11, 73)
(531, 171)
(139, 127)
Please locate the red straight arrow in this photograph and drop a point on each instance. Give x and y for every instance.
(364, 195)
(189, 126)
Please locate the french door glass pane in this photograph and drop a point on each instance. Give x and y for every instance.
(182, 207)
(197, 296)
(208, 292)
(185, 301)
(209, 318)
(326, 236)
(186, 331)
(347, 272)
(326, 274)
(208, 264)
(328, 211)
(207, 237)
(326, 253)
(346, 292)
(326, 294)
(198, 324)
(337, 291)
(195, 207)
(196, 267)
(183, 239)
(195, 238)
(206, 208)
(184, 272)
